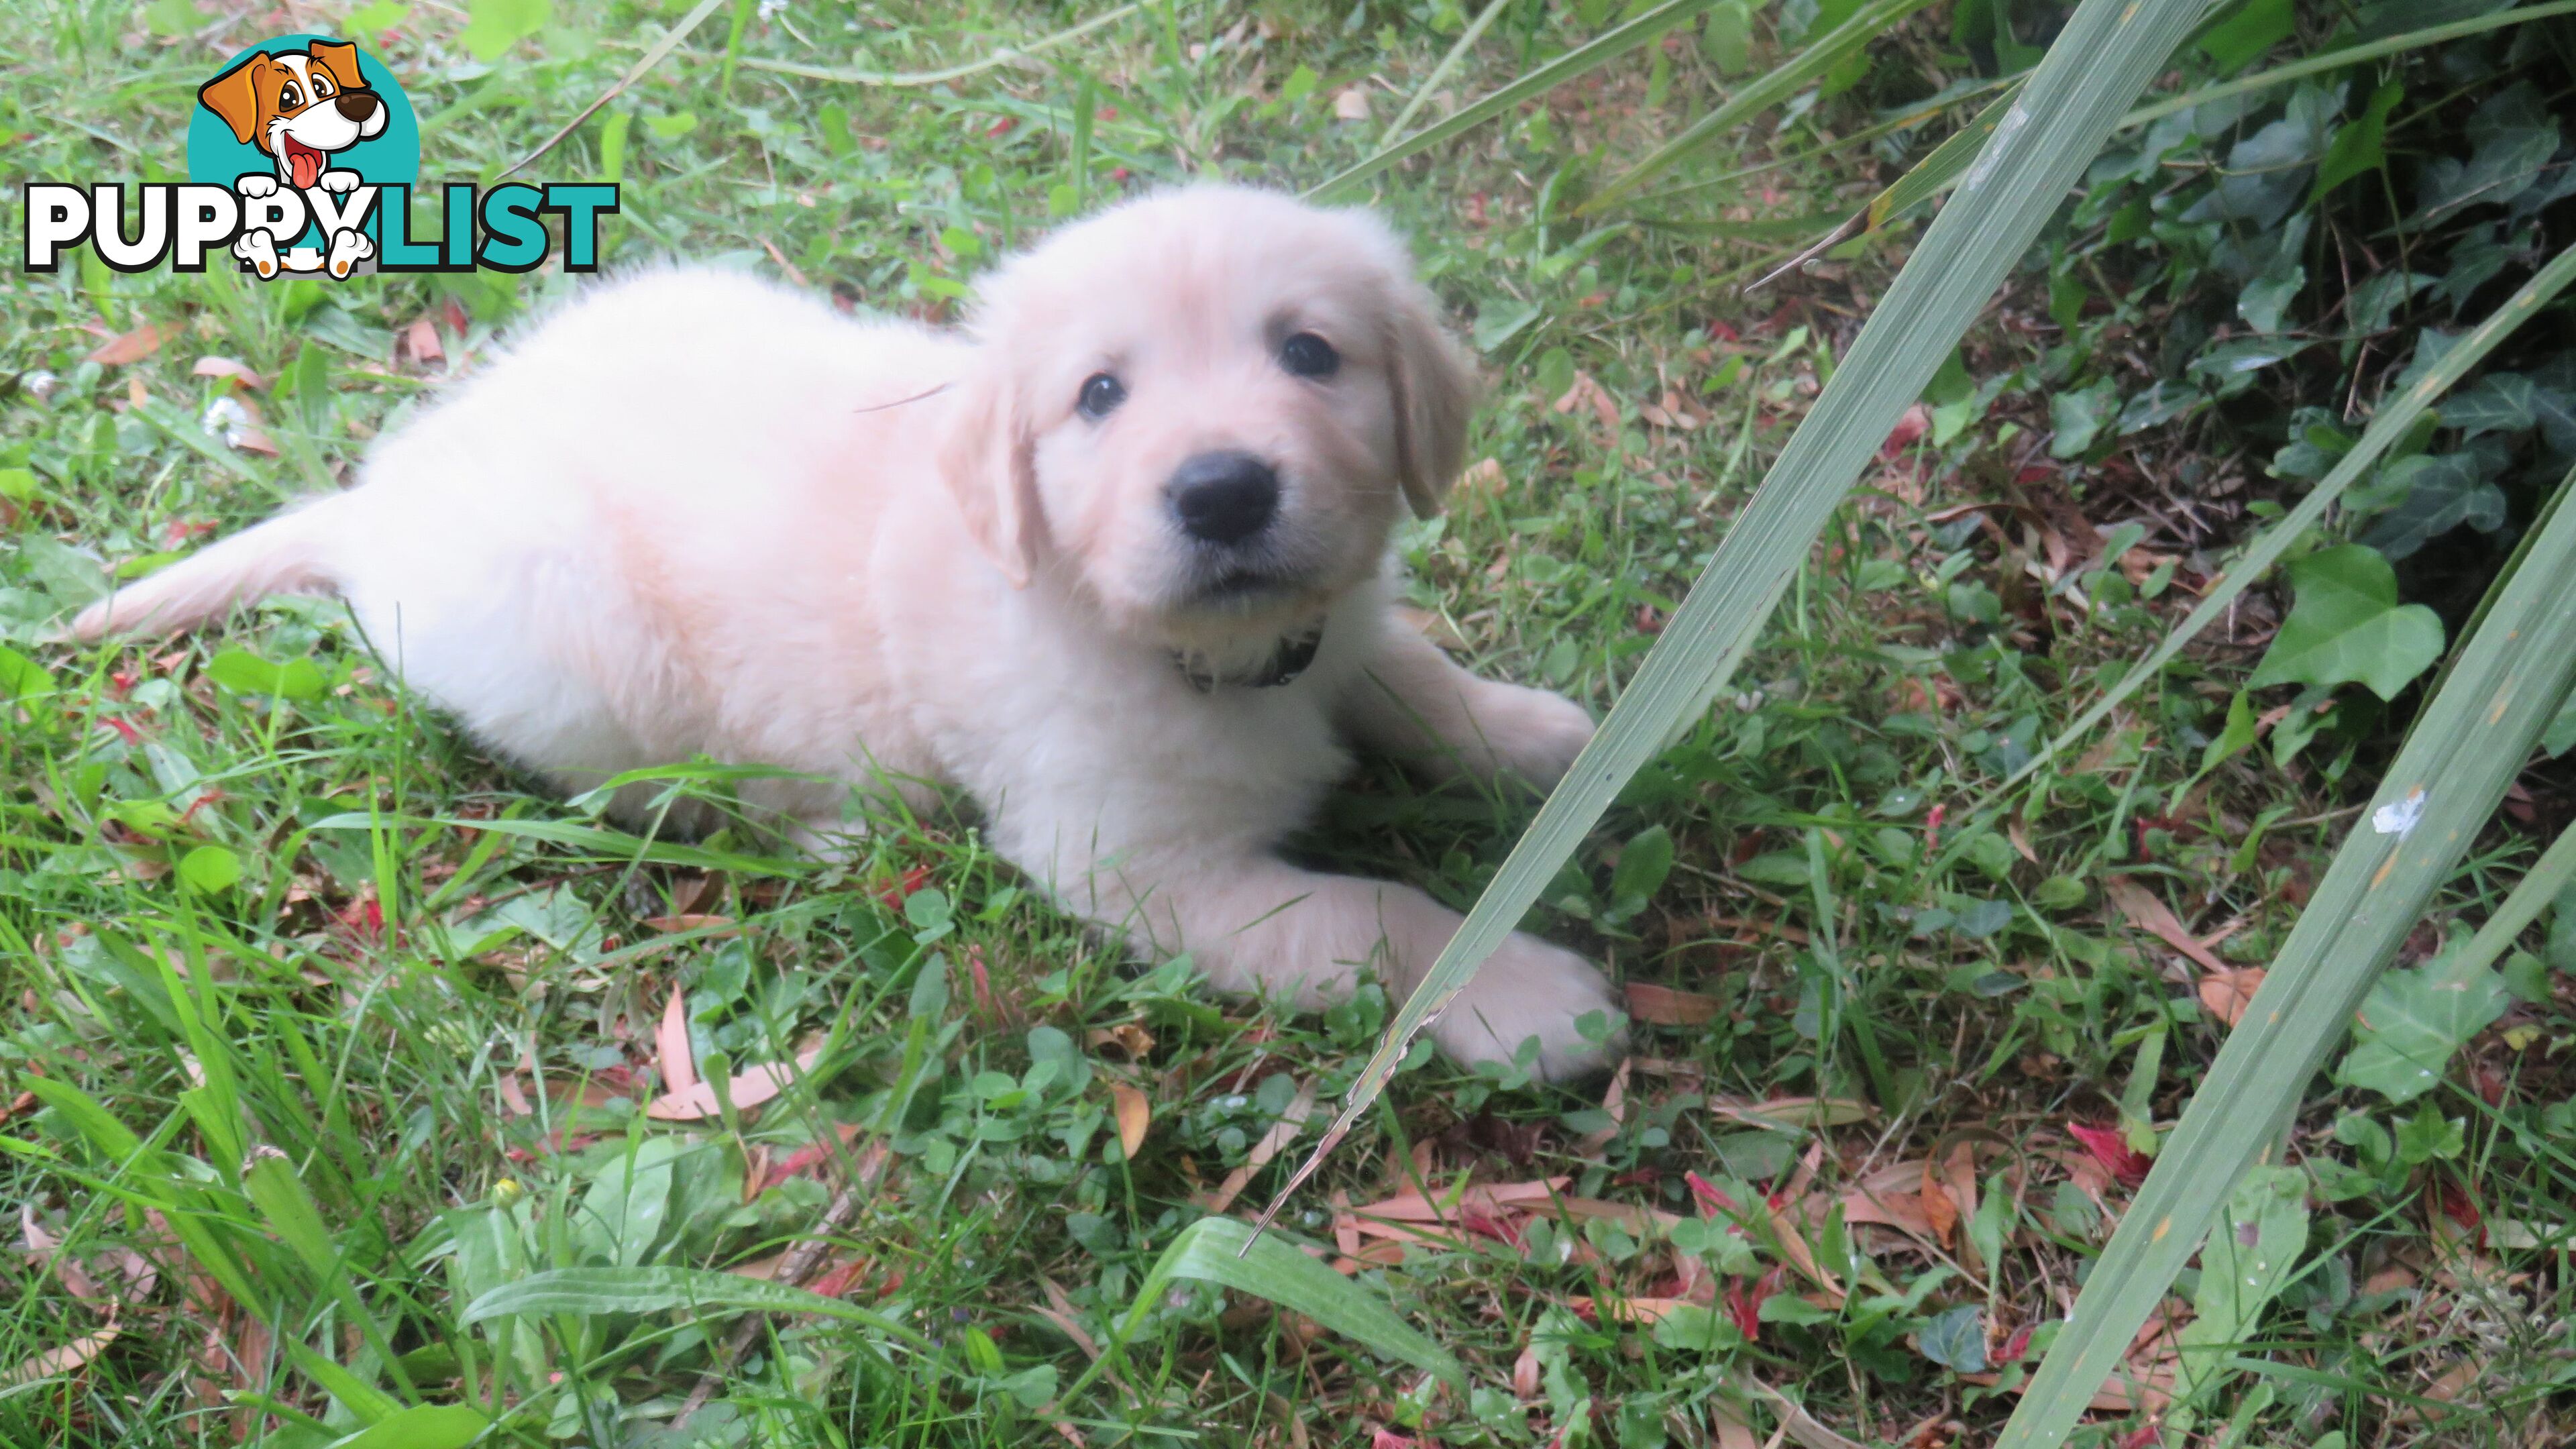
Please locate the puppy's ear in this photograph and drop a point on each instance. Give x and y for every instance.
(1435, 392)
(988, 460)
(341, 60)
(235, 94)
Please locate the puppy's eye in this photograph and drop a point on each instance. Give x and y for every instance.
(1308, 355)
(321, 87)
(288, 97)
(1101, 394)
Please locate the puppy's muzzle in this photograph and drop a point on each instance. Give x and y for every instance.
(1225, 498)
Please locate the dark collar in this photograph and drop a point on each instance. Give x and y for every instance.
(1288, 659)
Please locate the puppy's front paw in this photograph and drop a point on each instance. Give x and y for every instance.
(337, 181)
(1529, 988)
(349, 247)
(256, 185)
(1533, 734)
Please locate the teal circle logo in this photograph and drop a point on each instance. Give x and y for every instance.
(307, 114)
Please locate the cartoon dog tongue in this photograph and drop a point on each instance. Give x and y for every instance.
(303, 161)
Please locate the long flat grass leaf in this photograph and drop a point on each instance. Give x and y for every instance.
(425, 1426)
(2472, 740)
(1934, 173)
(2105, 56)
(2387, 427)
(603, 842)
(586, 1291)
(653, 56)
(1422, 93)
(1231, 1253)
(1832, 49)
(998, 56)
(1580, 61)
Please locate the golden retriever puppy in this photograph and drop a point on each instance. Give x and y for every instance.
(1115, 563)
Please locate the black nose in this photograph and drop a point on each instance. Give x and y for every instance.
(356, 105)
(1224, 497)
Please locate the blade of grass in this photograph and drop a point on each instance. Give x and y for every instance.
(1231, 1253)
(587, 1291)
(2470, 743)
(998, 56)
(1467, 39)
(655, 55)
(1838, 45)
(2108, 52)
(1580, 61)
(2392, 423)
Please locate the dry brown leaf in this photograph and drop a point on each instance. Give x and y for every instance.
(690, 921)
(2226, 992)
(1733, 1432)
(1639, 1222)
(2020, 838)
(2126, 1393)
(1663, 1006)
(1526, 1376)
(1135, 1113)
(239, 372)
(514, 1096)
(2154, 917)
(1060, 1312)
(1614, 1104)
(62, 1360)
(1793, 1111)
(1939, 1208)
(1128, 1037)
(134, 346)
(1903, 1211)
(1588, 393)
(1352, 104)
(1413, 1207)
(421, 341)
(747, 1089)
(1272, 1143)
(1793, 1246)
(1628, 1310)
(671, 1045)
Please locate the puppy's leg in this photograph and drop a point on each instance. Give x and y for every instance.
(1416, 705)
(1259, 926)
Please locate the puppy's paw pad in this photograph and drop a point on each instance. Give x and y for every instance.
(1527, 989)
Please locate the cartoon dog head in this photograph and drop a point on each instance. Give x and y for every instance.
(299, 106)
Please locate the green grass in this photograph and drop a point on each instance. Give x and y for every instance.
(252, 908)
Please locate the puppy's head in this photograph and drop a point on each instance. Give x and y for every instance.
(1204, 409)
(298, 106)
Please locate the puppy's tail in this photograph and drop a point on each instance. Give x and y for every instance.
(287, 554)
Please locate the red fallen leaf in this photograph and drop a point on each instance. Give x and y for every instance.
(1932, 827)
(1118, 173)
(181, 531)
(1711, 1201)
(2460, 1208)
(1913, 425)
(1002, 127)
(983, 979)
(365, 917)
(1476, 1220)
(804, 1159)
(1109, 113)
(1746, 1309)
(125, 727)
(1389, 1439)
(2034, 473)
(2143, 1436)
(134, 346)
(122, 682)
(2015, 1346)
(2113, 1151)
(1723, 333)
(894, 893)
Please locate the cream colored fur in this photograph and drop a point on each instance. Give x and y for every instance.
(694, 514)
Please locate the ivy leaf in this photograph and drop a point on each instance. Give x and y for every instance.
(242, 672)
(2503, 166)
(2347, 627)
(2441, 492)
(2413, 1021)
(1956, 1339)
(2500, 402)
(2078, 417)
(1643, 865)
(2359, 145)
